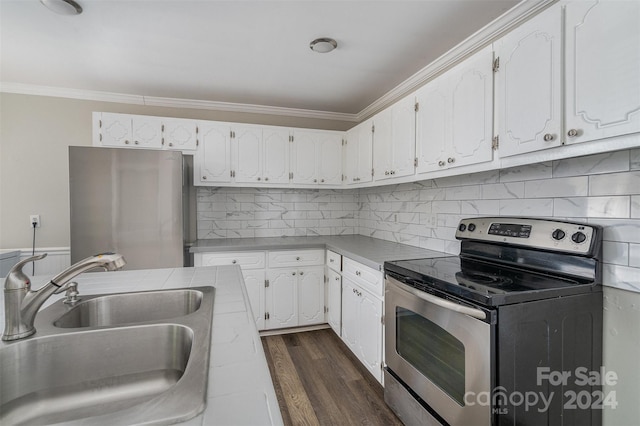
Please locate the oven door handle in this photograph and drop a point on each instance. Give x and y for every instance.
(476, 313)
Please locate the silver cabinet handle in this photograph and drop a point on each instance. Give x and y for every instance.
(337, 278)
(315, 180)
(266, 179)
(136, 142)
(321, 180)
(476, 313)
(572, 133)
(126, 142)
(204, 178)
(293, 273)
(301, 273)
(259, 179)
(297, 258)
(386, 173)
(441, 163)
(234, 261)
(548, 137)
(451, 160)
(170, 144)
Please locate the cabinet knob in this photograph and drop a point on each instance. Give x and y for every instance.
(301, 273)
(204, 178)
(354, 179)
(266, 179)
(297, 258)
(451, 160)
(386, 173)
(331, 260)
(126, 142)
(337, 278)
(441, 163)
(293, 273)
(321, 180)
(136, 142)
(548, 137)
(315, 180)
(170, 144)
(259, 179)
(234, 261)
(572, 133)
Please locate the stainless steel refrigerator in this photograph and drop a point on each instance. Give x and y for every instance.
(136, 202)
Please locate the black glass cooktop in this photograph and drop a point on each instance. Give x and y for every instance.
(488, 283)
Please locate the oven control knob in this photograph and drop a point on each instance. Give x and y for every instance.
(558, 234)
(578, 237)
(471, 227)
(462, 227)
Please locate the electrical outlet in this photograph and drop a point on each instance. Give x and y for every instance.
(429, 220)
(34, 218)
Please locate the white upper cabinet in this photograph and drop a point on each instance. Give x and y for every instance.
(261, 154)
(358, 153)
(275, 143)
(602, 69)
(179, 134)
(132, 131)
(394, 140)
(316, 157)
(213, 159)
(528, 85)
(455, 116)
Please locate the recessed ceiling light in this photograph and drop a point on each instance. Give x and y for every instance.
(63, 7)
(323, 45)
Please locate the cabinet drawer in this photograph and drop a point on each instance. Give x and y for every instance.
(288, 258)
(334, 260)
(245, 259)
(367, 277)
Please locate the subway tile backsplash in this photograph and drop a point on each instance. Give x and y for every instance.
(603, 189)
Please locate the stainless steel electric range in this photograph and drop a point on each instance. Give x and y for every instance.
(500, 334)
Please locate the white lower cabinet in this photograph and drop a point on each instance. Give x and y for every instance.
(334, 300)
(311, 305)
(281, 298)
(362, 325)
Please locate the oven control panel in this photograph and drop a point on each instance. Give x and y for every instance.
(536, 233)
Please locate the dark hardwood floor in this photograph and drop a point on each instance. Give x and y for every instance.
(318, 381)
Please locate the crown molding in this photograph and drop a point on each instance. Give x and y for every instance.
(481, 38)
(489, 33)
(92, 95)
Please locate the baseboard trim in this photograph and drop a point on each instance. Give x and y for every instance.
(280, 331)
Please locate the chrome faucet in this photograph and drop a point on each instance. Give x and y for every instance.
(21, 304)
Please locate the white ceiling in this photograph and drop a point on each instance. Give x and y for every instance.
(247, 52)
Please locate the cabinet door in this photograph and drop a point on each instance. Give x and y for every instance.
(365, 152)
(311, 295)
(115, 130)
(330, 159)
(282, 298)
(350, 323)
(403, 137)
(213, 159)
(602, 69)
(179, 134)
(351, 160)
(433, 123)
(247, 145)
(254, 282)
(528, 85)
(304, 157)
(370, 333)
(276, 155)
(146, 132)
(382, 159)
(334, 300)
(472, 110)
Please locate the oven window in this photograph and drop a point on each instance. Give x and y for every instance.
(431, 350)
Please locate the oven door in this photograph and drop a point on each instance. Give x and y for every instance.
(438, 349)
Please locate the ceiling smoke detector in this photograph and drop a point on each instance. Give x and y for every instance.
(63, 7)
(323, 45)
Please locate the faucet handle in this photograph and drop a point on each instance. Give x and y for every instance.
(16, 279)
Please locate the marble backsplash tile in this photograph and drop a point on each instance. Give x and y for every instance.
(602, 189)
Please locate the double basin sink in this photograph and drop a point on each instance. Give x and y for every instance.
(125, 358)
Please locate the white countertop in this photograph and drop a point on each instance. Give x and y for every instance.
(240, 389)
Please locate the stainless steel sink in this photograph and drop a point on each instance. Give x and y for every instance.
(108, 373)
(117, 309)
